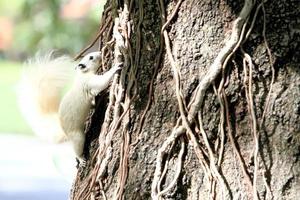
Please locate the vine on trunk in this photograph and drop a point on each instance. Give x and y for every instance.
(238, 36)
(124, 90)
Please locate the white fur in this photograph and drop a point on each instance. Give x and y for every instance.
(76, 103)
(38, 91)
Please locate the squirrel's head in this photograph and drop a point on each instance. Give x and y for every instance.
(90, 62)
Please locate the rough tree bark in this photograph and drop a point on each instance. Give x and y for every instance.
(207, 105)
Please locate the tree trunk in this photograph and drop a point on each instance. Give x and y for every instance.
(207, 105)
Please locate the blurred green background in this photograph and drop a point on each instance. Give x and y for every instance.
(11, 120)
(30, 26)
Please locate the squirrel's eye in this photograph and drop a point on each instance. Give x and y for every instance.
(91, 57)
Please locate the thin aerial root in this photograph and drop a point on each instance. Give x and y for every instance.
(95, 39)
(253, 22)
(194, 107)
(105, 154)
(163, 174)
(271, 65)
(221, 127)
(150, 93)
(125, 117)
(269, 191)
(216, 67)
(253, 120)
(214, 168)
(178, 131)
(118, 112)
(172, 15)
(103, 50)
(233, 143)
(102, 190)
(179, 95)
(178, 170)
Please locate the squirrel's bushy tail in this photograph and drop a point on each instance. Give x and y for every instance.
(39, 93)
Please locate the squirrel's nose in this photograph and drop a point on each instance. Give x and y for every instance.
(80, 66)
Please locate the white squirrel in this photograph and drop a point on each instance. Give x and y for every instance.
(46, 112)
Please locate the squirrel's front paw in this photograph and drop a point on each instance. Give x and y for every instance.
(119, 66)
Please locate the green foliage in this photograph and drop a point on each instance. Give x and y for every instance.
(10, 7)
(40, 27)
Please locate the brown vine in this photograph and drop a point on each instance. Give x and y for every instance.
(124, 89)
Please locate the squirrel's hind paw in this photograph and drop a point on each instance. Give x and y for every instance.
(81, 162)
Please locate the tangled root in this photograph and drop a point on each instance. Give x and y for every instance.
(124, 89)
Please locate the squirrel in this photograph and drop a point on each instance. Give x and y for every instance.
(62, 118)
